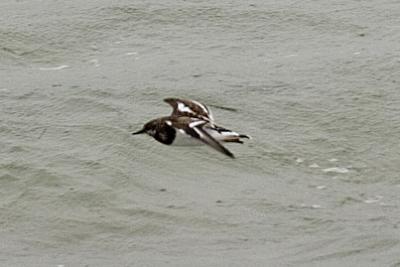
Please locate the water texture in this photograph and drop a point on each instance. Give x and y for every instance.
(315, 83)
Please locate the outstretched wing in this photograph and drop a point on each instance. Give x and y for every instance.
(196, 130)
(190, 108)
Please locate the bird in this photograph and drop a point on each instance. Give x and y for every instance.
(190, 123)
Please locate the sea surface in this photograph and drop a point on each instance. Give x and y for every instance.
(315, 83)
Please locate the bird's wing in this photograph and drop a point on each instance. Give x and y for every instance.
(190, 108)
(196, 130)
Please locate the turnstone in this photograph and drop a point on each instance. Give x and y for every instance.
(191, 123)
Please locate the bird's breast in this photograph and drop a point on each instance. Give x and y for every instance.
(183, 139)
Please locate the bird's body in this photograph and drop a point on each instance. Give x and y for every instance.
(191, 123)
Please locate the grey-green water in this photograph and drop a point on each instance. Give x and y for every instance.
(315, 83)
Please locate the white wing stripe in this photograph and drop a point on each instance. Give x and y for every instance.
(205, 109)
(201, 105)
(183, 108)
(196, 123)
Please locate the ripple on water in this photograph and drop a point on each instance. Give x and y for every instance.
(336, 170)
(61, 67)
(7, 178)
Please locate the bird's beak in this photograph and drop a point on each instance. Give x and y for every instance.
(139, 132)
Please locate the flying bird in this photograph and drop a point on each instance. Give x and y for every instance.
(190, 123)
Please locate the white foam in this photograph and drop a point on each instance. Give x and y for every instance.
(313, 206)
(314, 165)
(131, 53)
(370, 201)
(320, 187)
(299, 160)
(333, 160)
(336, 170)
(373, 200)
(95, 62)
(54, 68)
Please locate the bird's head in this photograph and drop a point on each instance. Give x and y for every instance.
(149, 128)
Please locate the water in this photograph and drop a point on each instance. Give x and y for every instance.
(315, 83)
